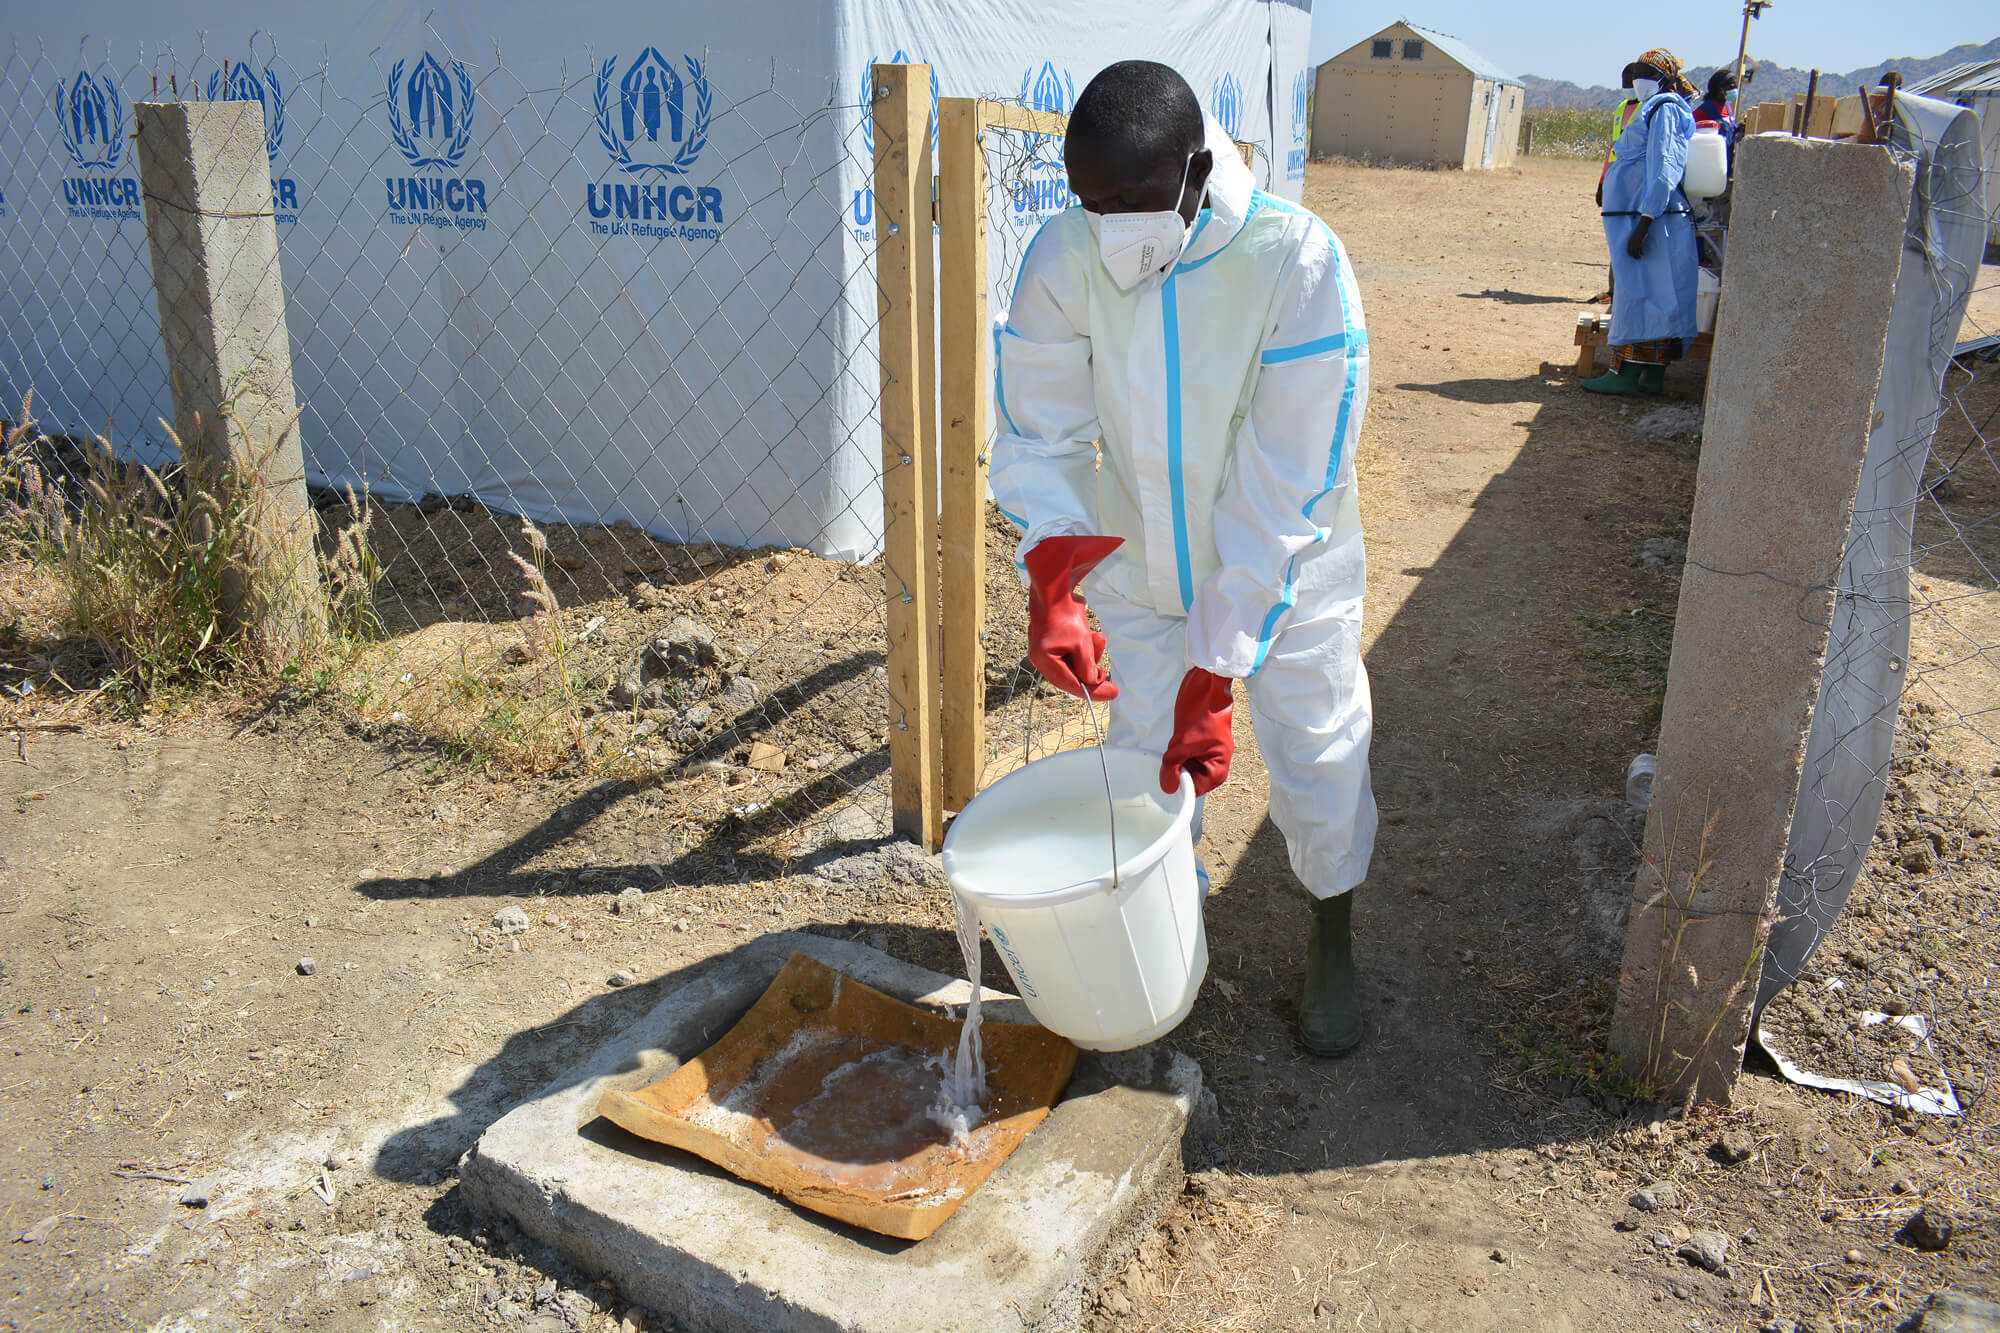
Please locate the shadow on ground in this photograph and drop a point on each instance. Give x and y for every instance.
(727, 848)
(1510, 689)
(1506, 297)
(1488, 932)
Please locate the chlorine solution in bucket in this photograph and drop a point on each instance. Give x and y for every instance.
(1108, 955)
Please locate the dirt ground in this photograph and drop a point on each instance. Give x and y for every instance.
(163, 880)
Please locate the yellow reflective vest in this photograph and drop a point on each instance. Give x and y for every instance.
(1620, 118)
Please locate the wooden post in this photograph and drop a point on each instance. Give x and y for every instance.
(925, 237)
(902, 137)
(964, 353)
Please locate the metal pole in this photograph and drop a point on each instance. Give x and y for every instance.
(1751, 9)
(1742, 50)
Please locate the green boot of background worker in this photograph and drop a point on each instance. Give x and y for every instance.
(1330, 1011)
(1629, 379)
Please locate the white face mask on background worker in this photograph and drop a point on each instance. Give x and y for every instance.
(1645, 89)
(1137, 246)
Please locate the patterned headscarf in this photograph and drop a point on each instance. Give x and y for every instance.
(1670, 67)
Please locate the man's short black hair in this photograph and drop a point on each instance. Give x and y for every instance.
(1140, 106)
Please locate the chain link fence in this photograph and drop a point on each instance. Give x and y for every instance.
(1026, 717)
(587, 379)
(1900, 797)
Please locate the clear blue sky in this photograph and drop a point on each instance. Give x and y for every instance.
(1589, 43)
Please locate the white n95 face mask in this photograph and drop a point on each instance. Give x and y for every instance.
(1137, 246)
(1645, 89)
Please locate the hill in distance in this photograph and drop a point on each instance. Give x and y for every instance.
(1774, 82)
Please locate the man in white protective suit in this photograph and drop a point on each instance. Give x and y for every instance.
(1182, 375)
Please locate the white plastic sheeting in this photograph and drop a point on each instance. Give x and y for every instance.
(1854, 722)
(586, 264)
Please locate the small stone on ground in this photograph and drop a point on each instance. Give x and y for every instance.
(1707, 1249)
(1736, 1145)
(575, 1308)
(1955, 1312)
(1930, 1228)
(1652, 1198)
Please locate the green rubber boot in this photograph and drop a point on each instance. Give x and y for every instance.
(1330, 1012)
(1652, 379)
(1623, 381)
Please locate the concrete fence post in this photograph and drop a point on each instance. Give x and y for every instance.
(1816, 238)
(214, 238)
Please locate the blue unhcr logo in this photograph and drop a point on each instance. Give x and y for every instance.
(1295, 159)
(242, 83)
(864, 198)
(1044, 187)
(91, 112)
(438, 129)
(430, 119)
(1048, 89)
(652, 120)
(1227, 104)
(652, 99)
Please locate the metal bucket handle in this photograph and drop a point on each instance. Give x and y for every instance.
(1104, 766)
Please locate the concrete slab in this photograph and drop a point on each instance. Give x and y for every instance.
(1025, 1253)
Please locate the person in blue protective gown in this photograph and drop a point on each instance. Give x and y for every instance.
(1183, 371)
(1650, 230)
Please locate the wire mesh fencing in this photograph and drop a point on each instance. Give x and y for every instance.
(1901, 788)
(1026, 717)
(586, 381)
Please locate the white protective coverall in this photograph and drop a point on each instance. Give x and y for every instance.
(1227, 399)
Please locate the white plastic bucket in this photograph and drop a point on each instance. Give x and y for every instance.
(1108, 962)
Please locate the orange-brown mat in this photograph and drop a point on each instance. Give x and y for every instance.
(822, 1093)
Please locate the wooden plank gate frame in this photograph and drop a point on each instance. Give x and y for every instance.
(964, 330)
(903, 271)
(936, 606)
(967, 371)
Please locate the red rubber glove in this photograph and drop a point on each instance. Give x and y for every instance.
(1203, 739)
(1061, 643)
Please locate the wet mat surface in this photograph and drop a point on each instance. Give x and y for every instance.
(825, 1092)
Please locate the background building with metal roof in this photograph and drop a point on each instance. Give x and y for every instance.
(1412, 95)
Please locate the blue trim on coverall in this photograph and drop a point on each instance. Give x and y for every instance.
(1170, 319)
(1348, 337)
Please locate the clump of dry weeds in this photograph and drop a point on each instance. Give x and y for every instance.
(174, 585)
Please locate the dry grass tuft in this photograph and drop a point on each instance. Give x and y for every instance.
(172, 586)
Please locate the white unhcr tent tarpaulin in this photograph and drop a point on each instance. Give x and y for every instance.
(588, 264)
